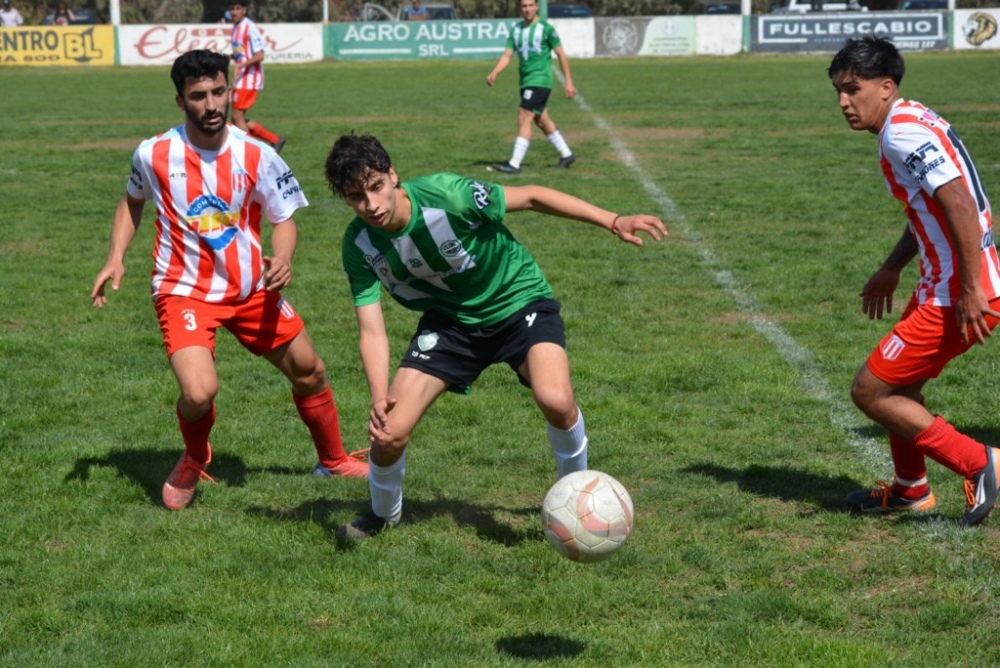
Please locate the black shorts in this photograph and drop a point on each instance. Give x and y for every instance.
(458, 354)
(534, 98)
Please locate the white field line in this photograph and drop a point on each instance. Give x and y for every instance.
(843, 415)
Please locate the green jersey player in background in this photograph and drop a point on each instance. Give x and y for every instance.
(535, 41)
(438, 245)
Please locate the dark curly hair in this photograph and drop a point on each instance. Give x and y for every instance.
(869, 57)
(353, 159)
(197, 64)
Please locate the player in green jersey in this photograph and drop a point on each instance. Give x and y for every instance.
(534, 41)
(438, 245)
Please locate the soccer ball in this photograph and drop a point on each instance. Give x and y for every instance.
(587, 516)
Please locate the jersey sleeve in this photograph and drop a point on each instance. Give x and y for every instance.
(364, 284)
(919, 153)
(278, 191)
(552, 37)
(138, 186)
(255, 41)
(478, 201)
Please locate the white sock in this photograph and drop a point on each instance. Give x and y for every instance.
(385, 484)
(520, 150)
(569, 447)
(557, 140)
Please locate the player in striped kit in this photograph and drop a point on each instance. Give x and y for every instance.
(438, 245)
(534, 41)
(955, 303)
(212, 185)
(248, 72)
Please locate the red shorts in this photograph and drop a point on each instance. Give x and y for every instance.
(261, 323)
(244, 99)
(921, 344)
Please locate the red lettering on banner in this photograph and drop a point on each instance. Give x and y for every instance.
(161, 42)
(155, 43)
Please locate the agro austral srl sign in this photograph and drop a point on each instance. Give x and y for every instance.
(827, 32)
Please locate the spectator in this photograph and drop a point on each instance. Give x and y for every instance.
(63, 16)
(9, 16)
(416, 12)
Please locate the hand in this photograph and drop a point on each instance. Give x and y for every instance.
(378, 420)
(970, 314)
(876, 296)
(277, 274)
(112, 271)
(570, 90)
(626, 226)
(490, 78)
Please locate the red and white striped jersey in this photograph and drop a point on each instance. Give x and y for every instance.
(920, 152)
(209, 206)
(247, 41)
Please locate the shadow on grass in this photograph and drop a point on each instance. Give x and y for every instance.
(784, 483)
(481, 518)
(788, 484)
(540, 646)
(149, 469)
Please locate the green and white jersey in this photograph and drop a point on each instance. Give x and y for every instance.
(534, 45)
(455, 256)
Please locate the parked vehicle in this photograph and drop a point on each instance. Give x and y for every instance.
(716, 7)
(436, 11)
(923, 5)
(560, 11)
(807, 6)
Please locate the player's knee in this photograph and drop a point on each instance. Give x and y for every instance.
(310, 377)
(560, 410)
(390, 448)
(198, 400)
(862, 395)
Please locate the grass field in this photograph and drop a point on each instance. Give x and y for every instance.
(713, 369)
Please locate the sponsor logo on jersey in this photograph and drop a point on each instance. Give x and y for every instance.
(480, 195)
(211, 218)
(919, 157)
(427, 340)
(987, 240)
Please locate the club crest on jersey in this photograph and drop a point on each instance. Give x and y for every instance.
(451, 248)
(480, 195)
(210, 217)
(893, 348)
(427, 340)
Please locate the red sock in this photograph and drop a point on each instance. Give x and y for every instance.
(319, 412)
(953, 450)
(195, 436)
(259, 130)
(910, 467)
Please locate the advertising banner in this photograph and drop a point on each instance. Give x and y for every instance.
(161, 44)
(976, 29)
(645, 36)
(58, 45)
(383, 40)
(827, 32)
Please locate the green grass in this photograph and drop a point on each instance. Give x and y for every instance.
(736, 444)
